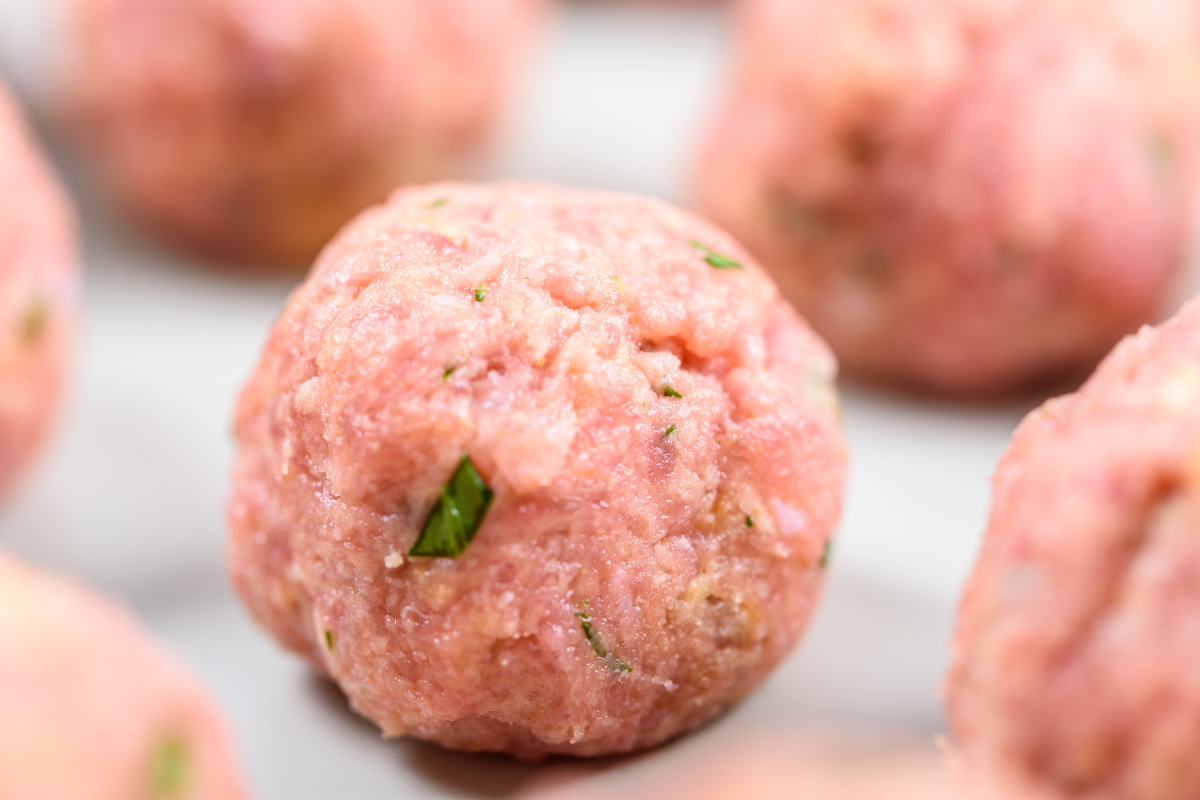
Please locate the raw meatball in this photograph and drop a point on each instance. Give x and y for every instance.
(646, 429)
(93, 709)
(1075, 658)
(963, 196)
(38, 265)
(253, 129)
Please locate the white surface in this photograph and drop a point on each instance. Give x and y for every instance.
(130, 494)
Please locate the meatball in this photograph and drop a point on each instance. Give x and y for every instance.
(253, 129)
(1074, 658)
(963, 197)
(536, 470)
(38, 286)
(93, 708)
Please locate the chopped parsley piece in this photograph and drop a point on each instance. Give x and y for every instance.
(449, 371)
(749, 521)
(668, 431)
(669, 391)
(169, 769)
(436, 204)
(715, 259)
(614, 662)
(456, 516)
(826, 552)
(329, 641)
(480, 293)
(34, 319)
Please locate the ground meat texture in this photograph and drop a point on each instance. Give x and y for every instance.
(38, 266)
(93, 708)
(1074, 671)
(963, 196)
(657, 425)
(253, 129)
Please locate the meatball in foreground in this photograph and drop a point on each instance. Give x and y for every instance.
(536, 470)
(38, 265)
(1075, 655)
(963, 197)
(253, 129)
(93, 709)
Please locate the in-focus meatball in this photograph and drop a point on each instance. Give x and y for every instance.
(253, 129)
(1075, 658)
(92, 708)
(609, 396)
(38, 276)
(963, 196)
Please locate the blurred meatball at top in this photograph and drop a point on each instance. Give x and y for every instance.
(965, 196)
(645, 428)
(253, 129)
(1074, 670)
(38, 265)
(93, 709)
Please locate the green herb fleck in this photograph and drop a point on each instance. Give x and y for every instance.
(329, 641)
(169, 769)
(826, 552)
(436, 204)
(668, 431)
(614, 662)
(749, 521)
(669, 391)
(34, 319)
(480, 293)
(449, 371)
(456, 516)
(715, 259)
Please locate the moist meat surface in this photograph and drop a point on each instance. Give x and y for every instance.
(963, 196)
(1073, 672)
(659, 429)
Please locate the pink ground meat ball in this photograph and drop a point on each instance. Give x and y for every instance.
(92, 708)
(253, 129)
(1075, 658)
(963, 196)
(657, 425)
(38, 276)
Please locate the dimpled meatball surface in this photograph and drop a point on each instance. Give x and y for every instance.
(659, 429)
(253, 129)
(38, 266)
(93, 709)
(1075, 655)
(962, 196)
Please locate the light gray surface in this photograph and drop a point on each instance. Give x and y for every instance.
(130, 493)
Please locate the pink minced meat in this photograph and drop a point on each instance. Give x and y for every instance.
(661, 436)
(963, 196)
(1074, 668)
(93, 708)
(253, 129)
(38, 275)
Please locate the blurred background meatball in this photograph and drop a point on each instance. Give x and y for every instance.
(964, 196)
(1075, 654)
(93, 709)
(39, 260)
(536, 470)
(253, 129)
